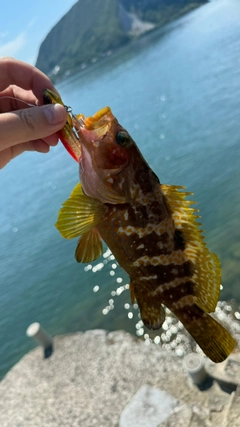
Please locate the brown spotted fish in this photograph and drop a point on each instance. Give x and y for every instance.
(151, 229)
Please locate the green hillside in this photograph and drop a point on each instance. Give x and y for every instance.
(94, 28)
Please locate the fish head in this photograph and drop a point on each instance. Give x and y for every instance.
(108, 157)
(111, 166)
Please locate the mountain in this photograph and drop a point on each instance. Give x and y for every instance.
(92, 29)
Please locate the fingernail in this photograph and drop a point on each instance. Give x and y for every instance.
(55, 114)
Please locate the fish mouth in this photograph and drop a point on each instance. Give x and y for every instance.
(99, 120)
(80, 130)
(90, 129)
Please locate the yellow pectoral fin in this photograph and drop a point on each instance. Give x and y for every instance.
(77, 191)
(79, 214)
(89, 247)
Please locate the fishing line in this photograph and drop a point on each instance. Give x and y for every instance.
(67, 108)
(77, 121)
(18, 99)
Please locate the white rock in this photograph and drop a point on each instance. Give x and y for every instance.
(148, 408)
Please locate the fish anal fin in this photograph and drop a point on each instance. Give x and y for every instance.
(79, 214)
(152, 316)
(89, 246)
(206, 266)
(151, 310)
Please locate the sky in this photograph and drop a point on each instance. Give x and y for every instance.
(24, 24)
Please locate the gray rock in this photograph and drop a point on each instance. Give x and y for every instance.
(227, 372)
(88, 381)
(147, 408)
(233, 415)
(91, 377)
(180, 417)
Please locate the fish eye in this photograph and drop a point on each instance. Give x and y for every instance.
(124, 139)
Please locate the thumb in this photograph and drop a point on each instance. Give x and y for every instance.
(30, 124)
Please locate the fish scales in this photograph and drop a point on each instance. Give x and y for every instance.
(155, 252)
(151, 228)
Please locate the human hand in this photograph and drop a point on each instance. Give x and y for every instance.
(24, 128)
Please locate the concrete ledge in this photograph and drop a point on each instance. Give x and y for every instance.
(91, 377)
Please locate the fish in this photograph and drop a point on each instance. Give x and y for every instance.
(152, 229)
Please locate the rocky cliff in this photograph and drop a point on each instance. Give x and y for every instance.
(92, 29)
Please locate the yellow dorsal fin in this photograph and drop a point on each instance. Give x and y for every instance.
(79, 214)
(207, 270)
(89, 246)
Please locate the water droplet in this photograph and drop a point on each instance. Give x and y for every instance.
(179, 352)
(174, 330)
(165, 326)
(120, 290)
(107, 253)
(15, 229)
(140, 332)
(98, 267)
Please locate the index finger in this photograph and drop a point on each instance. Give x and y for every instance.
(26, 76)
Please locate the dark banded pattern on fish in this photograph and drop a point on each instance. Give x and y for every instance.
(162, 265)
(151, 229)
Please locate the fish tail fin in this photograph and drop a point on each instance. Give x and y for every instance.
(215, 341)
